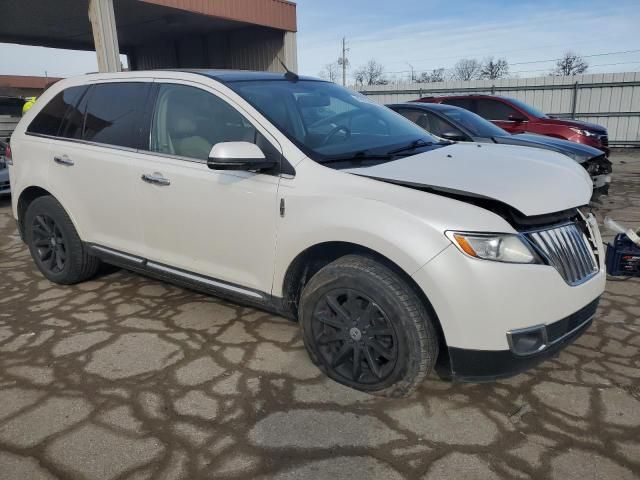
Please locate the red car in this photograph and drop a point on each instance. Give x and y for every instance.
(515, 116)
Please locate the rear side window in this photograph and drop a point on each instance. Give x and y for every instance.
(113, 111)
(48, 121)
(466, 103)
(495, 110)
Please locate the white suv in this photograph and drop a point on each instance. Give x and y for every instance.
(391, 247)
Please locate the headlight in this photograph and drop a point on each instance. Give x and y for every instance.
(582, 131)
(498, 248)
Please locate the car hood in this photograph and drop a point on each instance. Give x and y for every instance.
(577, 151)
(575, 123)
(533, 181)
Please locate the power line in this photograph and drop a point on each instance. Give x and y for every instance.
(583, 56)
(547, 60)
(590, 66)
(493, 52)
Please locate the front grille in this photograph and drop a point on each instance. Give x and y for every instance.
(604, 140)
(4, 185)
(566, 248)
(559, 329)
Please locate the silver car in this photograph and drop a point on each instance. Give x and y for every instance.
(5, 188)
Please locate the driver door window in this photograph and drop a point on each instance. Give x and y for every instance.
(430, 122)
(188, 121)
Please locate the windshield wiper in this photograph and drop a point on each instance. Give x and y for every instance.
(362, 155)
(411, 146)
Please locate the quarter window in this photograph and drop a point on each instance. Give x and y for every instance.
(48, 120)
(188, 122)
(113, 111)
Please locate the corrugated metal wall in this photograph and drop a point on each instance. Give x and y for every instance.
(251, 48)
(611, 100)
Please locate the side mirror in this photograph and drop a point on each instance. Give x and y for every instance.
(238, 156)
(517, 118)
(453, 136)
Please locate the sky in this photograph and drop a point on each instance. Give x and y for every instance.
(430, 34)
(426, 34)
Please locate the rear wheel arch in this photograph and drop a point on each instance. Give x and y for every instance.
(27, 196)
(309, 262)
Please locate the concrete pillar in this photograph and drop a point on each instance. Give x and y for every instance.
(105, 35)
(291, 51)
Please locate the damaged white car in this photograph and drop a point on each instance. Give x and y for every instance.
(394, 249)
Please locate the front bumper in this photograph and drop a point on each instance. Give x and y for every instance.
(486, 365)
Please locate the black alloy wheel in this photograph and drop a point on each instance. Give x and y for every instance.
(54, 243)
(355, 339)
(49, 243)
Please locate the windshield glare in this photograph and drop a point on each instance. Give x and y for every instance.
(328, 121)
(477, 126)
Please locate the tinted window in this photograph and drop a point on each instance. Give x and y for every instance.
(73, 121)
(188, 121)
(48, 121)
(329, 122)
(475, 124)
(495, 110)
(431, 122)
(528, 108)
(112, 113)
(11, 106)
(466, 103)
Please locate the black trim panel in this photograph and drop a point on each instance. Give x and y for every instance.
(488, 365)
(187, 279)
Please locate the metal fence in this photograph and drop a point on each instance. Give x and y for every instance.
(609, 99)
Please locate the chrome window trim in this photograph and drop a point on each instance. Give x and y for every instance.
(84, 142)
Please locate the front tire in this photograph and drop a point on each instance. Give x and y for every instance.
(366, 328)
(55, 245)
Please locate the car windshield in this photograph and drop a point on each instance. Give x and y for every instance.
(329, 122)
(528, 108)
(477, 126)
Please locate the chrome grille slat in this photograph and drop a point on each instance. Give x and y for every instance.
(568, 250)
(582, 266)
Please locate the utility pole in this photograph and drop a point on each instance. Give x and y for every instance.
(344, 61)
(413, 76)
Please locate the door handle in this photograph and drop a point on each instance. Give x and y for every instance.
(156, 178)
(63, 160)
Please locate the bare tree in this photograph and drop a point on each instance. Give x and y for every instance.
(330, 71)
(467, 69)
(435, 75)
(492, 69)
(570, 64)
(371, 73)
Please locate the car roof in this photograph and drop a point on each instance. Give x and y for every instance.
(425, 106)
(229, 76)
(469, 95)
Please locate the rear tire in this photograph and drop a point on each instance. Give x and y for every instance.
(366, 328)
(55, 245)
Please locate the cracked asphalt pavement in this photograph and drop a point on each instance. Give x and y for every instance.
(125, 377)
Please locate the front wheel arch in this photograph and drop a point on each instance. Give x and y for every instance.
(308, 262)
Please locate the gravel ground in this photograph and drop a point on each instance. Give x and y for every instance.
(124, 377)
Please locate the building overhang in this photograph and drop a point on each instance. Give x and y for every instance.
(65, 23)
